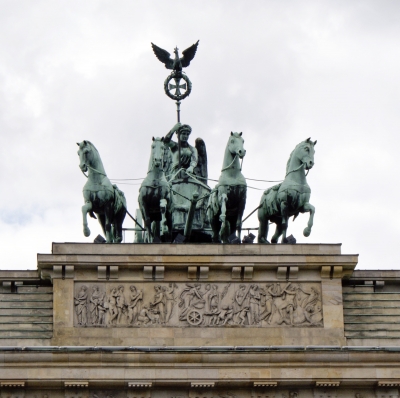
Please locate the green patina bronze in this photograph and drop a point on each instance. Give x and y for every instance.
(154, 196)
(101, 197)
(186, 168)
(176, 63)
(227, 202)
(289, 198)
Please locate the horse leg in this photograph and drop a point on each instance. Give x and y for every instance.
(284, 213)
(119, 219)
(222, 217)
(107, 228)
(277, 234)
(214, 226)
(263, 226)
(102, 222)
(242, 205)
(85, 209)
(147, 224)
(308, 208)
(155, 229)
(284, 230)
(164, 232)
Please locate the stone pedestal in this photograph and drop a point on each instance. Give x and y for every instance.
(191, 321)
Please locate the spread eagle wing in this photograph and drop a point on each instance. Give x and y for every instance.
(188, 54)
(201, 168)
(164, 56)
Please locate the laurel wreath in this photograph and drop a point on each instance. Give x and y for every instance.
(177, 97)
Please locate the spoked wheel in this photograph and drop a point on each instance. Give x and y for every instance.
(194, 317)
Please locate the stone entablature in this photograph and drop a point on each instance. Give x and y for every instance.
(195, 294)
(271, 324)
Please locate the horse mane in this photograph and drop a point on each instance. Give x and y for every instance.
(96, 153)
(294, 150)
(91, 144)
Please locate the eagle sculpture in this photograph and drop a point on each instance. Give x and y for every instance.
(177, 63)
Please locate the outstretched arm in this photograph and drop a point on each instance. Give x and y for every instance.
(167, 138)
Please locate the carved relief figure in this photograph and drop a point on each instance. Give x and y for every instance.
(170, 300)
(112, 306)
(120, 303)
(159, 303)
(267, 303)
(214, 297)
(135, 304)
(255, 297)
(144, 317)
(97, 309)
(81, 305)
(225, 315)
(241, 304)
(206, 305)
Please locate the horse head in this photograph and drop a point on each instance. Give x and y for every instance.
(303, 154)
(235, 145)
(307, 153)
(157, 153)
(85, 155)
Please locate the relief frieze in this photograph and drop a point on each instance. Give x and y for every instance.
(152, 304)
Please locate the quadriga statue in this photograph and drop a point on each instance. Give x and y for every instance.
(290, 197)
(101, 197)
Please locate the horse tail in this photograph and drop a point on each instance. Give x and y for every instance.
(269, 203)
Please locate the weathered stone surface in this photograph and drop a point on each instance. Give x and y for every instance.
(192, 304)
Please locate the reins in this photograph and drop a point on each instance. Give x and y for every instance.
(298, 168)
(93, 169)
(227, 167)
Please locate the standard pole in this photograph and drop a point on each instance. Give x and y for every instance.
(178, 114)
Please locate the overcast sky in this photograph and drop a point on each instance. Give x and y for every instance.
(279, 71)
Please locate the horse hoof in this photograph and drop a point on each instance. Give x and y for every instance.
(263, 240)
(307, 231)
(86, 231)
(285, 241)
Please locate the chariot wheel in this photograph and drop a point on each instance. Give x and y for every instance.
(194, 317)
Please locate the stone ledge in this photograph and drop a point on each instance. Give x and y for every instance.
(195, 249)
(327, 384)
(76, 384)
(12, 384)
(389, 383)
(199, 384)
(265, 384)
(139, 384)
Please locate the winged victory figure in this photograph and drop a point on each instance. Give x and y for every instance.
(176, 63)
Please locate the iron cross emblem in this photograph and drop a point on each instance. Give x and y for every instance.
(177, 86)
